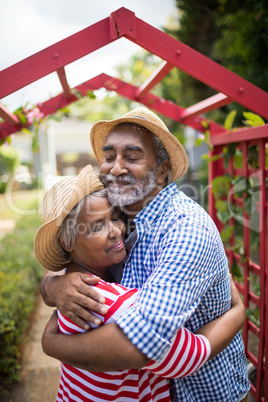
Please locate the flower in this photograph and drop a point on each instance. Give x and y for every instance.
(34, 115)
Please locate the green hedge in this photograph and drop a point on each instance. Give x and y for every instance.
(20, 276)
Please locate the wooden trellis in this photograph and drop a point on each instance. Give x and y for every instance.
(228, 87)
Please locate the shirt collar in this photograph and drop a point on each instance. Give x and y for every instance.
(149, 213)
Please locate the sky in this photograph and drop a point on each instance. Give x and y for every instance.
(28, 26)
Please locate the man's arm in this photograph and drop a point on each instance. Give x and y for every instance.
(220, 332)
(103, 349)
(108, 348)
(71, 294)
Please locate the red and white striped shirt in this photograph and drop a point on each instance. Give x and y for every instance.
(150, 384)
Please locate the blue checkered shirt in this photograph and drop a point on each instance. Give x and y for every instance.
(179, 264)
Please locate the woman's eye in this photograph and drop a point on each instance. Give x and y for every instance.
(116, 214)
(97, 227)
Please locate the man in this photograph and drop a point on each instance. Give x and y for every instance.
(177, 261)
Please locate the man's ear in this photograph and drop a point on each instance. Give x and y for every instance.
(162, 172)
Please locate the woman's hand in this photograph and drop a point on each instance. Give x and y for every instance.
(71, 294)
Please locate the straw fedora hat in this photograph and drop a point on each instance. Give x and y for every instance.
(145, 118)
(56, 204)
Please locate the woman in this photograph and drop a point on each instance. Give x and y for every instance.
(82, 233)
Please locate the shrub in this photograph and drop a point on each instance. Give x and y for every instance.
(20, 276)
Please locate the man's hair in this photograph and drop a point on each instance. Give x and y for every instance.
(69, 229)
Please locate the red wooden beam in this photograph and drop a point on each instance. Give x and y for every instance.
(247, 134)
(197, 65)
(154, 79)
(9, 118)
(212, 103)
(167, 108)
(64, 83)
(160, 105)
(123, 23)
(54, 57)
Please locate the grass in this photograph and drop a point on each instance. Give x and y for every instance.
(16, 204)
(20, 275)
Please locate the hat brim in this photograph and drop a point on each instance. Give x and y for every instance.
(71, 190)
(46, 247)
(177, 153)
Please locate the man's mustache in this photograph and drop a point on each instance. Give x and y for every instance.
(110, 178)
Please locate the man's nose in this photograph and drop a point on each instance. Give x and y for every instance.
(118, 167)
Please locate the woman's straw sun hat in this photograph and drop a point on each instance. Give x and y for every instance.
(145, 118)
(56, 204)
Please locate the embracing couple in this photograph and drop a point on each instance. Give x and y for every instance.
(164, 292)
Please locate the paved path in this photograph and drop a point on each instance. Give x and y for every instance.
(6, 226)
(39, 377)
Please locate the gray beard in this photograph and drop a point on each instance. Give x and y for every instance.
(132, 193)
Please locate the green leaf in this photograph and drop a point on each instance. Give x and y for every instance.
(91, 95)
(211, 159)
(249, 205)
(4, 140)
(205, 124)
(254, 315)
(239, 247)
(228, 123)
(238, 161)
(241, 186)
(235, 269)
(227, 233)
(224, 216)
(221, 206)
(221, 186)
(253, 119)
(26, 131)
(198, 142)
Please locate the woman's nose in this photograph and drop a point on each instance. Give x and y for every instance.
(115, 230)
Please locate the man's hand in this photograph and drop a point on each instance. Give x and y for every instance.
(71, 294)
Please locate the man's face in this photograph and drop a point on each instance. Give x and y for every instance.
(128, 169)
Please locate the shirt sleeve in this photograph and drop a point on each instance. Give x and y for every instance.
(187, 353)
(189, 264)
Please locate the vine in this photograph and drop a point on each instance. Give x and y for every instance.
(240, 187)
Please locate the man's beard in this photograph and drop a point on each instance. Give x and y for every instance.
(130, 193)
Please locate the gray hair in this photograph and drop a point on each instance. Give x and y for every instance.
(69, 229)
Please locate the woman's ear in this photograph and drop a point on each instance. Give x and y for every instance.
(63, 245)
(162, 172)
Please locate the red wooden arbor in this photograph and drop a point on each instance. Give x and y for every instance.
(229, 88)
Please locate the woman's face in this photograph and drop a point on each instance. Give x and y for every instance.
(100, 241)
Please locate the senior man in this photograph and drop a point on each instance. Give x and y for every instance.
(176, 259)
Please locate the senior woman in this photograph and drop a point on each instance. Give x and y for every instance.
(83, 233)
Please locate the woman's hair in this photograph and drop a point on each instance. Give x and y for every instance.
(69, 229)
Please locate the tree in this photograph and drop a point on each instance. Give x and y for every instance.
(233, 33)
